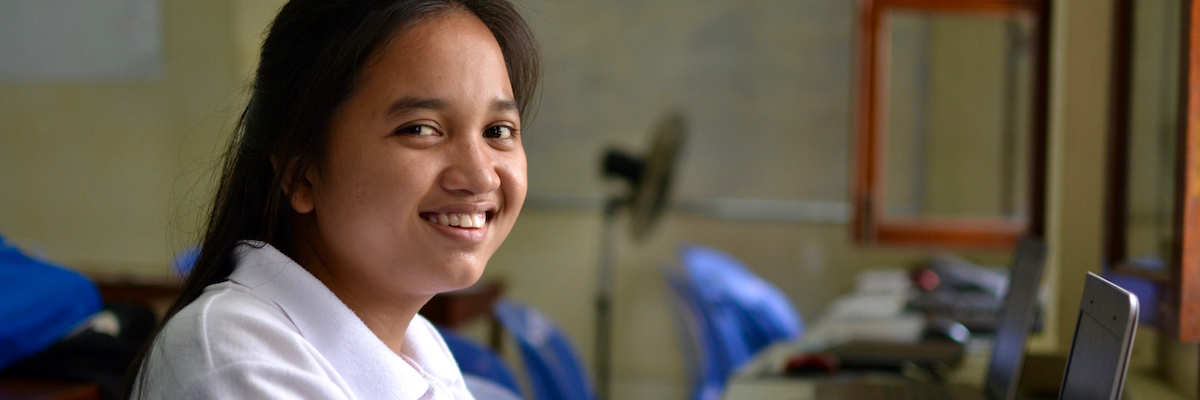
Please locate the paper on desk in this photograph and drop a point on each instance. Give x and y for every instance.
(883, 281)
(868, 305)
(903, 328)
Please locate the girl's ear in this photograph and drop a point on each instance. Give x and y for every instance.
(299, 193)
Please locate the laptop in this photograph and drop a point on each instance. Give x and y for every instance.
(1096, 367)
(1008, 351)
(1103, 342)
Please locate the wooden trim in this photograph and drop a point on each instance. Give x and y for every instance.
(1170, 305)
(868, 222)
(1116, 202)
(966, 5)
(997, 234)
(1040, 118)
(1179, 306)
(865, 177)
(19, 388)
(1188, 282)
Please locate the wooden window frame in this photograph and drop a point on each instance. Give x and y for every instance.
(1117, 198)
(1186, 289)
(1178, 311)
(870, 226)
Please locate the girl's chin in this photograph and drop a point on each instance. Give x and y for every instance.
(460, 277)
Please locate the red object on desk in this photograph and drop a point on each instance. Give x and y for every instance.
(807, 363)
(926, 279)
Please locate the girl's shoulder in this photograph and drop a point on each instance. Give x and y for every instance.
(229, 323)
(228, 330)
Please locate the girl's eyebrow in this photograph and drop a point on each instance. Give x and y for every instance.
(410, 103)
(505, 105)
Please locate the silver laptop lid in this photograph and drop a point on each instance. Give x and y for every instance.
(1103, 339)
(1016, 320)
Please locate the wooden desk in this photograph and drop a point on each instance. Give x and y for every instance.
(39, 389)
(154, 293)
(454, 309)
(762, 377)
(451, 309)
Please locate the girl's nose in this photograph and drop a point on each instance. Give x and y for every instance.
(471, 168)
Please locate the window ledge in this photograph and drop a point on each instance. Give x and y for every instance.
(1149, 385)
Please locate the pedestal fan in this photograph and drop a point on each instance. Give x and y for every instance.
(645, 197)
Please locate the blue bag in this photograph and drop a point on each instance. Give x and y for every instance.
(40, 304)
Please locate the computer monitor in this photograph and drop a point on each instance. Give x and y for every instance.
(1016, 320)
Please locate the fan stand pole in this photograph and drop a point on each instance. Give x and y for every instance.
(604, 295)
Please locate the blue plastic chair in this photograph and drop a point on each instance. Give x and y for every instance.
(484, 389)
(185, 260)
(551, 363)
(736, 314)
(701, 350)
(480, 361)
(765, 315)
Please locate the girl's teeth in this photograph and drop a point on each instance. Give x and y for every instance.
(459, 220)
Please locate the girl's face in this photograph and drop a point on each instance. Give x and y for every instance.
(424, 172)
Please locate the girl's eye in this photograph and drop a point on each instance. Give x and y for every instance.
(499, 132)
(418, 130)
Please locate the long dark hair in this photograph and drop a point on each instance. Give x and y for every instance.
(309, 65)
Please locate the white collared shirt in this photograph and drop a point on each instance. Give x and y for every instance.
(273, 331)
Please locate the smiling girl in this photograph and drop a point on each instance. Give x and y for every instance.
(379, 162)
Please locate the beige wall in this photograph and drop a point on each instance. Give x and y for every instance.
(115, 175)
(109, 174)
(1079, 76)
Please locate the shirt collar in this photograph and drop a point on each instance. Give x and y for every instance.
(367, 365)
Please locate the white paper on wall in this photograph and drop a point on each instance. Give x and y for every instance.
(80, 40)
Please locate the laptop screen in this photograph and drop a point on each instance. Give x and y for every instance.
(1016, 320)
(1103, 337)
(1100, 360)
